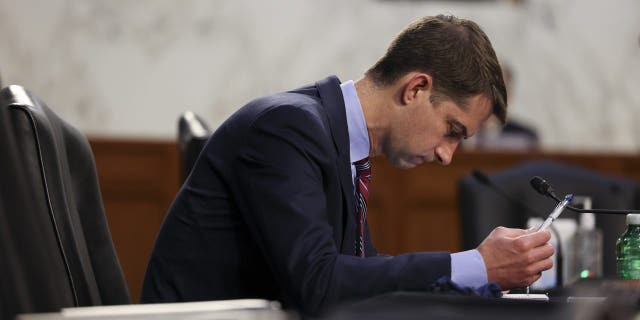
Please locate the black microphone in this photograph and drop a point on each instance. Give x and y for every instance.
(545, 189)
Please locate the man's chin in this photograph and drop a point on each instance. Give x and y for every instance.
(402, 164)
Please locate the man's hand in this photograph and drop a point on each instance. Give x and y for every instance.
(515, 257)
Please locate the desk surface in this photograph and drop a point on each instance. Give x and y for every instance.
(621, 301)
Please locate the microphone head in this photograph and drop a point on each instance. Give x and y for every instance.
(481, 177)
(542, 186)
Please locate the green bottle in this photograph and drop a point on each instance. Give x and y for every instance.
(628, 250)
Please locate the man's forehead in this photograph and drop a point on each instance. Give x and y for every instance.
(479, 105)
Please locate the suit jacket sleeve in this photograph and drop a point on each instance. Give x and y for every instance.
(282, 198)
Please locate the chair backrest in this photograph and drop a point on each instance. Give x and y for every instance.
(193, 133)
(56, 247)
(482, 209)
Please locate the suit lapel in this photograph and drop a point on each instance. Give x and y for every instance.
(333, 102)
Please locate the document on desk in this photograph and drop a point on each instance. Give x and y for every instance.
(526, 296)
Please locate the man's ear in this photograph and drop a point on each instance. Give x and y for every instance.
(416, 84)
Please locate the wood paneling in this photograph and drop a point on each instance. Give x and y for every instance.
(409, 210)
(138, 180)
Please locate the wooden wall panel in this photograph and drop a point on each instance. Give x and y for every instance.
(134, 225)
(434, 229)
(409, 210)
(138, 180)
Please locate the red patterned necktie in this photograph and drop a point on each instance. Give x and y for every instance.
(361, 183)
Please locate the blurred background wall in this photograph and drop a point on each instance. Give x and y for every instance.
(122, 68)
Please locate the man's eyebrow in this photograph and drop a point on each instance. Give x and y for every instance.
(460, 126)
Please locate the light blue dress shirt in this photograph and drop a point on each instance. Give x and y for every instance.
(467, 267)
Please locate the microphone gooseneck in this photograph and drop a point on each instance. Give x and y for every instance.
(481, 177)
(545, 189)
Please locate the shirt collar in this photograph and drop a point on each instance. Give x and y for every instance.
(358, 135)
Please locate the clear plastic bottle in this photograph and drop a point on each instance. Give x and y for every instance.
(628, 250)
(588, 248)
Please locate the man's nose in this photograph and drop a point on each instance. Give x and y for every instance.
(445, 151)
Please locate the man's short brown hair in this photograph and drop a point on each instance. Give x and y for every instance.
(455, 52)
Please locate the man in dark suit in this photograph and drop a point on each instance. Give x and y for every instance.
(270, 210)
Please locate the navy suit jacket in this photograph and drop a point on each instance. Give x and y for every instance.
(268, 212)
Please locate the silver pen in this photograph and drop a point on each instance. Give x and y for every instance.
(556, 212)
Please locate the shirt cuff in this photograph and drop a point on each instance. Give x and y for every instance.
(468, 269)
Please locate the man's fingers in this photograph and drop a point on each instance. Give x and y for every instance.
(510, 232)
(540, 237)
(540, 266)
(541, 252)
(515, 233)
(535, 278)
(532, 240)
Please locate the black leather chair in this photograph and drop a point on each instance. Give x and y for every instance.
(482, 208)
(193, 133)
(55, 247)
